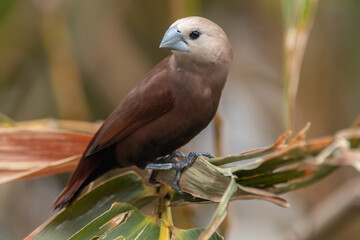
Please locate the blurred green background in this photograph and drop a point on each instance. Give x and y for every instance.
(78, 59)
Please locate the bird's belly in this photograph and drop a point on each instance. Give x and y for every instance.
(165, 134)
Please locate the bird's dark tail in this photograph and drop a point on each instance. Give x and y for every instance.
(88, 169)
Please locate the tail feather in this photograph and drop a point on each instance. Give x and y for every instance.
(88, 169)
(67, 196)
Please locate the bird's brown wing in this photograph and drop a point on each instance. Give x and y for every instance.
(150, 99)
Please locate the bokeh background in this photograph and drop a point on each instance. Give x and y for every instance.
(77, 59)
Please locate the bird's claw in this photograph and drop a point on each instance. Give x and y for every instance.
(179, 166)
(175, 187)
(205, 154)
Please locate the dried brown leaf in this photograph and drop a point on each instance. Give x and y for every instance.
(27, 153)
(301, 136)
(41, 147)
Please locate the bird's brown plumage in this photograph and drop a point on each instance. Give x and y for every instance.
(172, 104)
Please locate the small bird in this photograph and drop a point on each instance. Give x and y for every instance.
(174, 102)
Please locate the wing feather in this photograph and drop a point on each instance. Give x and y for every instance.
(150, 99)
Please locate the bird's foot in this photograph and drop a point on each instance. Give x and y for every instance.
(179, 166)
(170, 157)
(162, 160)
(152, 178)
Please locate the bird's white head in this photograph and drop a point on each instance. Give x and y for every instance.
(198, 39)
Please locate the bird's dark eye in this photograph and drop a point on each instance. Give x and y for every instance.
(194, 34)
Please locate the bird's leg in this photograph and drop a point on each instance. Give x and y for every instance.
(179, 166)
(152, 179)
(168, 158)
(164, 159)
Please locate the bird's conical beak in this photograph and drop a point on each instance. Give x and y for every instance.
(174, 40)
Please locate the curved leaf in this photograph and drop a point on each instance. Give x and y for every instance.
(41, 147)
(121, 221)
(128, 187)
(110, 212)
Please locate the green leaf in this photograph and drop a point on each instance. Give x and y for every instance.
(128, 188)
(221, 210)
(319, 174)
(286, 168)
(204, 181)
(121, 221)
(103, 214)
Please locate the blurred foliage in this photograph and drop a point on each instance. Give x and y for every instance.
(107, 46)
(299, 17)
(111, 44)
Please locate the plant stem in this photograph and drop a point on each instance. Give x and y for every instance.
(299, 18)
(165, 212)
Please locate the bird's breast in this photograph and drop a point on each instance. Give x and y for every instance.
(196, 98)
